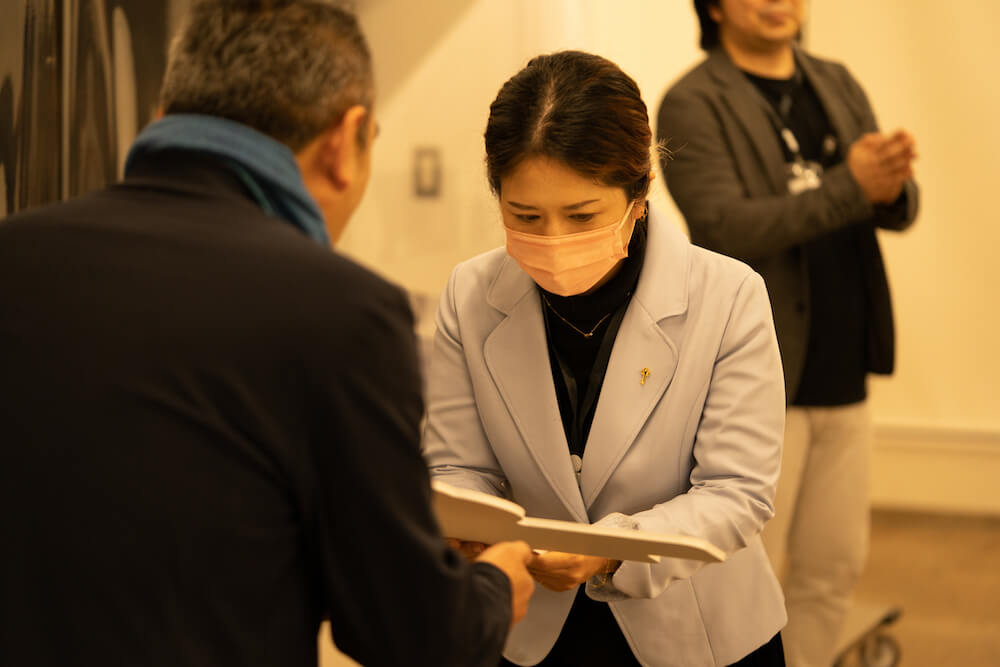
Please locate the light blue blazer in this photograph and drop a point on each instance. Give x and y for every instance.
(695, 450)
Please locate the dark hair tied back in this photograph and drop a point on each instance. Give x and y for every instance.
(579, 109)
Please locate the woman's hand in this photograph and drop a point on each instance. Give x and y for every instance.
(559, 571)
(471, 550)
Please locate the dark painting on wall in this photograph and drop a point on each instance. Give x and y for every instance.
(78, 79)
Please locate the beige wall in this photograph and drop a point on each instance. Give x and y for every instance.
(438, 67)
(931, 67)
(925, 67)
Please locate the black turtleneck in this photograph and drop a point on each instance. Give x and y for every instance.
(579, 363)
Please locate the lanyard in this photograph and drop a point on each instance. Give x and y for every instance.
(778, 120)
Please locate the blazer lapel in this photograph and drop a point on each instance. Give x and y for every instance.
(747, 106)
(626, 400)
(517, 357)
(840, 118)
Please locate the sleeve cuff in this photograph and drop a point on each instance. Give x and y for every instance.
(601, 587)
(847, 194)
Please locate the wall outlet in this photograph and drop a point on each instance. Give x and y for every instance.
(427, 172)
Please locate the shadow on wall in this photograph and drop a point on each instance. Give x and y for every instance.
(78, 78)
(402, 33)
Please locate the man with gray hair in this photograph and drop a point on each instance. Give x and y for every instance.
(210, 422)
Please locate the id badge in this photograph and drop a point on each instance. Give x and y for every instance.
(803, 176)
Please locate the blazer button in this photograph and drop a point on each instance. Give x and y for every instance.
(800, 307)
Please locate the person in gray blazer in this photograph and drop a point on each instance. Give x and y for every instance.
(601, 369)
(777, 160)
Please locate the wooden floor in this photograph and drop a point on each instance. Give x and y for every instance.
(944, 572)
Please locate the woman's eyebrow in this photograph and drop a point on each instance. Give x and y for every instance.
(570, 207)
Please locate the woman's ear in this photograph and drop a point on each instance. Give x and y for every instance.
(638, 211)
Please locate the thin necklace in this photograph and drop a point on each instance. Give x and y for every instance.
(585, 334)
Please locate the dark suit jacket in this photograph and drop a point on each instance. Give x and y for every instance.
(209, 441)
(728, 179)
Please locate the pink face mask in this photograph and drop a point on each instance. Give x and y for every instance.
(570, 263)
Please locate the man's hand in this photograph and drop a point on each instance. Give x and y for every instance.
(882, 164)
(559, 571)
(471, 550)
(512, 558)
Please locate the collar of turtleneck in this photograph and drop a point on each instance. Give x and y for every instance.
(585, 310)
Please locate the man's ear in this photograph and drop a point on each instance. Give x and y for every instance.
(340, 151)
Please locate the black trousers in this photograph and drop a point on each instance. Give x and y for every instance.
(591, 638)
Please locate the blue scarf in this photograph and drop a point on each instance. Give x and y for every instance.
(265, 166)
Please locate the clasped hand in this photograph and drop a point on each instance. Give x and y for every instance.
(882, 164)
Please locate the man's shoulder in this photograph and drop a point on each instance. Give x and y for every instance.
(27, 220)
(825, 67)
(698, 78)
(707, 76)
(699, 89)
(328, 277)
(257, 248)
(820, 61)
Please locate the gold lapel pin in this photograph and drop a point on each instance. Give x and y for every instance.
(644, 373)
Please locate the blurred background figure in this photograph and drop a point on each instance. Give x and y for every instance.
(780, 163)
(76, 92)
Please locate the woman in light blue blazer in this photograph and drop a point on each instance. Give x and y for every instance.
(601, 369)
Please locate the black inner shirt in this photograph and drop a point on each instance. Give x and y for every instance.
(579, 363)
(836, 365)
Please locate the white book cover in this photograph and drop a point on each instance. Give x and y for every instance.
(475, 516)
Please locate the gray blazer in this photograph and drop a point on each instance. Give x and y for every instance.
(695, 450)
(727, 177)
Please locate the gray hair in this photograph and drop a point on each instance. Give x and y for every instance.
(287, 68)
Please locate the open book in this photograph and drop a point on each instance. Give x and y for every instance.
(475, 516)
